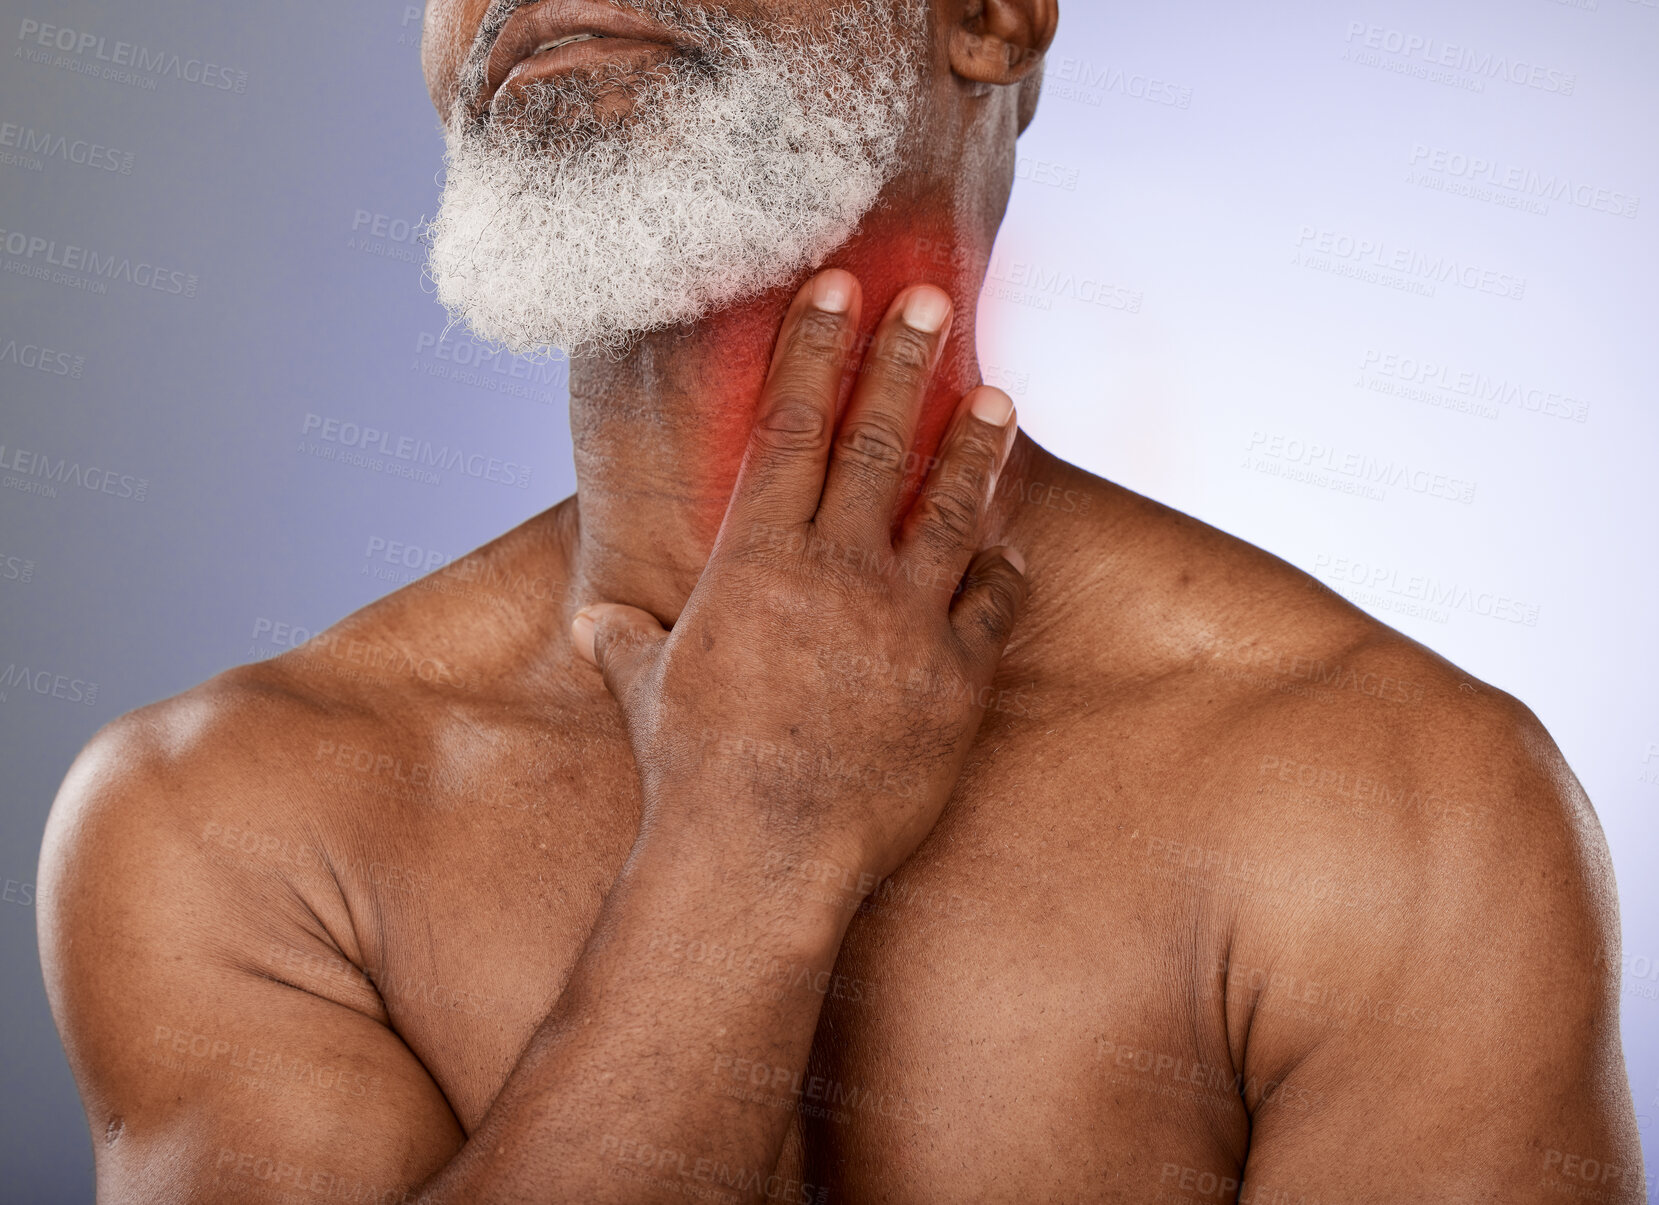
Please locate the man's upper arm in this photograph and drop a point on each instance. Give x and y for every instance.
(204, 1077)
(1478, 1055)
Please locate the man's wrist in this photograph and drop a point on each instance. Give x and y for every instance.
(800, 887)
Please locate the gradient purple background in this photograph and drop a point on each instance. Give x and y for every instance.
(1196, 352)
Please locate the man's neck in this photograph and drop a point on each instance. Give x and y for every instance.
(659, 435)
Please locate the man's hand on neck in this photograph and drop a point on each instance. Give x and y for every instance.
(658, 434)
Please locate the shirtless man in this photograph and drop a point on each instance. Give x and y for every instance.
(1138, 868)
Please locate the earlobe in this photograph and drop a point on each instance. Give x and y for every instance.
(1002, 41)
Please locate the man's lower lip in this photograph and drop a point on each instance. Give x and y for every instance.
(578, 54)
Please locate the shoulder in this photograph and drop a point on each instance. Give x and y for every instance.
(154, 762)
(1436, 803)
(1441, 799)
(1422, 924)
(1305, 710)
(1355, 790)
(202, 961)
(1411, 902)
(200, 823)
(227, 741)
(264, 775)
(134, 891)
(133, 826)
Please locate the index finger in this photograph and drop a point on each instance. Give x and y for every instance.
(782, 474)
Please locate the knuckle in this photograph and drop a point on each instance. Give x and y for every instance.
(980, 445)
(904, 355)
(1011, 587)
(819, 336)
(874, 443)
(764, 540)
(995, 620)
(615, 645)
(793, 423)
(1006, 594)
(953, 513)
(968, 477)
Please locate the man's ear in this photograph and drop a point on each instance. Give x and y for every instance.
(1001, 42)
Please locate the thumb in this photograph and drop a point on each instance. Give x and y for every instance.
(993, 593)
(619, 641)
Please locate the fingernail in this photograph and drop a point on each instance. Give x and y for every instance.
(581, 636)
(831, 293)
(925, 309)
(992, 405)
(1013, 557)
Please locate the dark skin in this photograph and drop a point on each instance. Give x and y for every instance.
(1198, 886)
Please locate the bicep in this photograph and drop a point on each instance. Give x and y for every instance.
(1511, 1120)
(1478, 1061)
(232, 1085)
(1472, 1052)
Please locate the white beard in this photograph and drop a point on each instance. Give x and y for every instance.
(736, 169)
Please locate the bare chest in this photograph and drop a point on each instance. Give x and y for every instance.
(973, 1036)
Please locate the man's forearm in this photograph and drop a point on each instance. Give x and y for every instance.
(693, 963)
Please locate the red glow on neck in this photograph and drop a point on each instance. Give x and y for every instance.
(659, 436)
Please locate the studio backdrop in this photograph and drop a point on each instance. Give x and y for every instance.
(1369, 283)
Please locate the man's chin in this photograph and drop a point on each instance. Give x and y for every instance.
(511, 315)
(595, 206)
